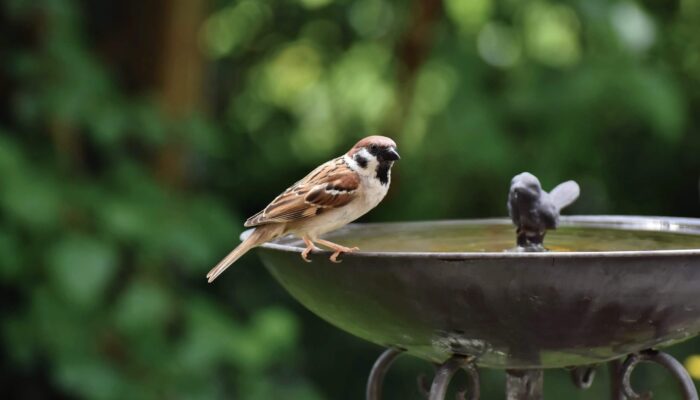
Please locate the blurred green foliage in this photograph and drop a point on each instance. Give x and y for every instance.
(112, 209)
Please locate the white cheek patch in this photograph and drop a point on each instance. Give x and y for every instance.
(368, 162)
(351, 162)
(368, 156)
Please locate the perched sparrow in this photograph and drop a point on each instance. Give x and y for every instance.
(533, 210)
(331, 196)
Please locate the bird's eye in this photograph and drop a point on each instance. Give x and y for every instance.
(373, 148)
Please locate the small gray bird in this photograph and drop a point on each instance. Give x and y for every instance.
(533, 210)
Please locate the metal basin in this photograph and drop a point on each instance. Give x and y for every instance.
(511, 310)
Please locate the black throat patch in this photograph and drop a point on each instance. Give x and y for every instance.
(383, 171)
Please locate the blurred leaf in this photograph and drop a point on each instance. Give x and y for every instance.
(659, 101)
(80, 268)
(107, 121)
(10, 156)
(312, 4)
(143, 305)
(21, 343)
(692, 364)
(551, 34)
(203, 135)
(371, 18)
(263, 390)
(231, 28)
(468, 15)
(32, 199)
(128, 220)
(291, 72)
(276, 329)
(209, 332)
(10, 256)
(91, 379)
(147, 122)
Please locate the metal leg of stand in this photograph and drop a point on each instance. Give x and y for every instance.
(524, 384)
(376, 377)
(614, 368)
(444, 374)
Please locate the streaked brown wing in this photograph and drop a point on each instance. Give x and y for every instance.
(331, 185)
(337, 192)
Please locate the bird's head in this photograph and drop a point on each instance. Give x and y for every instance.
(379, 148)
(374, 155)
(525, 187)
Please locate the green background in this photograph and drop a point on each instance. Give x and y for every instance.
(136, 137)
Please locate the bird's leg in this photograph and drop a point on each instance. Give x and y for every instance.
(338, 249)
(521, 238)
(539, 238)
(309, 247)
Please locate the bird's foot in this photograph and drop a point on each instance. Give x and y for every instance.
(338, 249)
(334, 256)
(305, 254)
(309, 248)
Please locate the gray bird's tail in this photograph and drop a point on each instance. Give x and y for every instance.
(565, 194)
(260, 235)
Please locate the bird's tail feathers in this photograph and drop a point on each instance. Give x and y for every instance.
(260, 235)
(565, 194)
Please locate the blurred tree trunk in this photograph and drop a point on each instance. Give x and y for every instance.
(153, 47)
(150, 47)
(180, 86)
(181, 63)
(412, 50)
(417, 40)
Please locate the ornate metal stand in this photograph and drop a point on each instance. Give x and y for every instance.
(444, 375)
(527, 384)
(524, 384)
(376, 376)
(624, 373)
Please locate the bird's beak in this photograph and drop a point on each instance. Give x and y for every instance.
(390, 154)
(520, 190)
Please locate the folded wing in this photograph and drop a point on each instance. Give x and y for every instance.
(331, 185)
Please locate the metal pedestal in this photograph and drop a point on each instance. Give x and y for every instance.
(528, 384)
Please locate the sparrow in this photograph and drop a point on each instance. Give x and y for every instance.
(329, 197)
(533, 210)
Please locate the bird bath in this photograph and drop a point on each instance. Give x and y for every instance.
(609, 288)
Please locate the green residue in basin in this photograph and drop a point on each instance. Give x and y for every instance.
(465, 237)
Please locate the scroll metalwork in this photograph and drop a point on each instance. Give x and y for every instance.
(583, 376)
(444, 374)
(527, 384)
(376, 376)
(666, 361)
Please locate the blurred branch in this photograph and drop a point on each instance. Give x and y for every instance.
(69, 145)
(181, 77)
(182, 64)
(417, 40)
(412, 50)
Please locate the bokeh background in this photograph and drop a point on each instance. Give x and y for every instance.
(136, 137)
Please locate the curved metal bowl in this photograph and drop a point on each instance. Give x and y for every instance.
(511, 310)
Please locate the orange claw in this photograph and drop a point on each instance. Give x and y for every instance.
(309, 247)
(338, 249)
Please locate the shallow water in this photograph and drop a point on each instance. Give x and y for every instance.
(465, 237)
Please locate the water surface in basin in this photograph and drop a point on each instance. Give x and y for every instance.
(497, 237)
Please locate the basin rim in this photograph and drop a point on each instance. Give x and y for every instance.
(678, 225)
